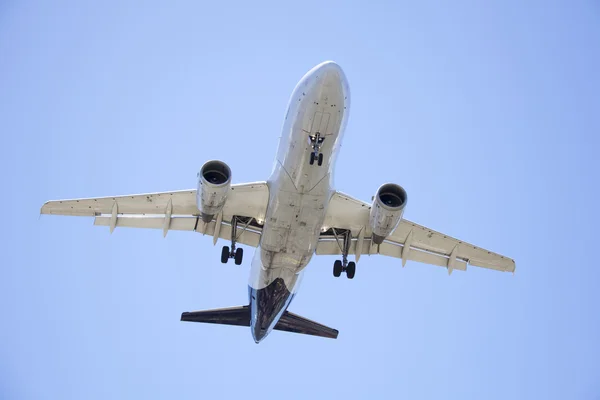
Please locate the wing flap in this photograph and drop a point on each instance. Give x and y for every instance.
(177, 223)
(392, 250)
(250, 236)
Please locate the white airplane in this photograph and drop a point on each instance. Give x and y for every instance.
(290, 217)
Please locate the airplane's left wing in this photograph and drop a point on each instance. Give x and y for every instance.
(409, 241)
(173, 211)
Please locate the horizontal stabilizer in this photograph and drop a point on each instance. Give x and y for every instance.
(290, 322)
(240, 316)
(225, 316)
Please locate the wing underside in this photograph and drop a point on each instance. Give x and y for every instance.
(177, 211)
(174, 211)
(410, 241)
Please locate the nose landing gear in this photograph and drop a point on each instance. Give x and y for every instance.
(343, 265)
(316, 141)
(316, 156)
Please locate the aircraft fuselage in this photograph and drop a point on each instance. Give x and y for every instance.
(300, 191)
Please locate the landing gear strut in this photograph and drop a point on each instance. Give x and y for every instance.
(343, 265)
(236, 254)
(316, 141)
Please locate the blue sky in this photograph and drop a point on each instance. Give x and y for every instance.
(488, 115)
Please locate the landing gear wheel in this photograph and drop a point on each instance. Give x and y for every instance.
(239, 254)
(312, 158)
(225, 254)
(337, 268)
(320, 162)
(343, 239)
(351, 270)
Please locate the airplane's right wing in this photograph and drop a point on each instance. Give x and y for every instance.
(174, 211)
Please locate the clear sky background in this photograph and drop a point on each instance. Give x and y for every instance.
(488, 114)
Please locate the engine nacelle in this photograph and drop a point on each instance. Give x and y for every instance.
(214, 181)
(386, 211)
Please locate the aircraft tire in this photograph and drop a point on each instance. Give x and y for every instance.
(351, 270)
(337, 268)
(225, 254)
(239, 255)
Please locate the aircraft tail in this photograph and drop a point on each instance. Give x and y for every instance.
(240, 316)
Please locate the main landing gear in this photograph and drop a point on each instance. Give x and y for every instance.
(343, 265)
(316, 141)
(236, 254)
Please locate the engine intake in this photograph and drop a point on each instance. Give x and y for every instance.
(214, 181)
(386, 211)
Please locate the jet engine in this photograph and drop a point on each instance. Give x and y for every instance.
(214, 181)
(386, 211)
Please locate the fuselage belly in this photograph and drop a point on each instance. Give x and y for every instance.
(299, 193)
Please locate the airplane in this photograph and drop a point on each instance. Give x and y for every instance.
(290, 217)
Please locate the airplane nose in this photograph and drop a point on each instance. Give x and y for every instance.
(329, 73)
(328, 66)
(329, 79)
